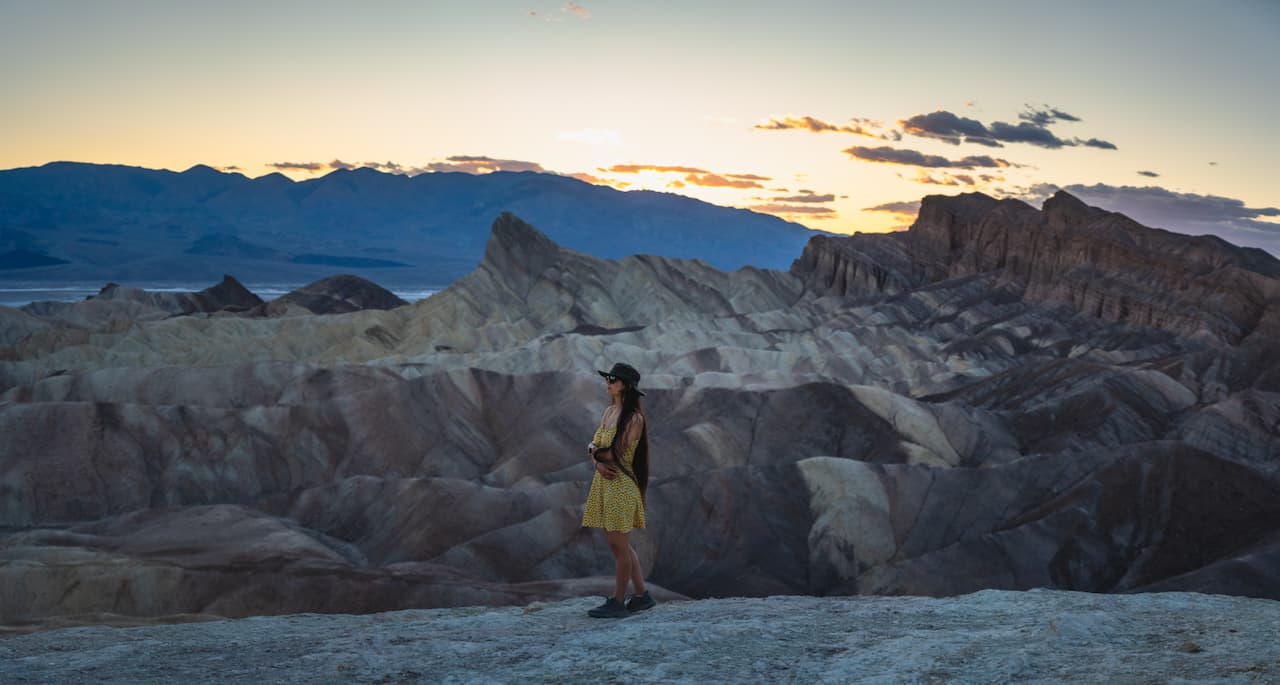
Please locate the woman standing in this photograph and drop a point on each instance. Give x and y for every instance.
(620, 454)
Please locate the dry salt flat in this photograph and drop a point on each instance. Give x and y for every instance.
(988, 637)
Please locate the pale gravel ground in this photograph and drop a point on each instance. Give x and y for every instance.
(987, 637)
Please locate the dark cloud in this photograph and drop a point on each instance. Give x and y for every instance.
(1190, 213)
(1044, 117)
(889, 155)
(945, 126)
(1094, 142)
(1026, 132)
(1033, 129)
(1150, 174)
(905, 207)
(299, 166)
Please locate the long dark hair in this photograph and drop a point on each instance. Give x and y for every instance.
(639, 460)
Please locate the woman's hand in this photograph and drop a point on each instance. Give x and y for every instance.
(606, 470)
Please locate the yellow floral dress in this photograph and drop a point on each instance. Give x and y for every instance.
(614, 505)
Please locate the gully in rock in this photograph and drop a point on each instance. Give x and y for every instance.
(619, 452)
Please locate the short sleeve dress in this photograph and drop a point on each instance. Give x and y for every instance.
(614, 505)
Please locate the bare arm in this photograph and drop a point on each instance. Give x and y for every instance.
(621, 444)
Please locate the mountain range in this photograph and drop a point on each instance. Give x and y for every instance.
(76, 222)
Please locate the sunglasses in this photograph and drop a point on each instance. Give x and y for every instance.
(610, 379)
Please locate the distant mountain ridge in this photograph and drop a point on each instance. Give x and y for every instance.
(123, 223)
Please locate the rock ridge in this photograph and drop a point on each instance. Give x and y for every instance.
(1101, 263)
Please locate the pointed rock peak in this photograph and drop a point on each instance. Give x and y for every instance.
(512, 235)
(231, 291)
(517, 252)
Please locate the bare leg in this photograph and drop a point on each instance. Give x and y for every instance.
(637, 573)
(621, 548)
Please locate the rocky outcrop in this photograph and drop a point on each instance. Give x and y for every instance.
(1100, 263)
(227, 295)
(115, 305)
(339, 294)
(864, 265)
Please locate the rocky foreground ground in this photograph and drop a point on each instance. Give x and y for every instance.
(1037, 636)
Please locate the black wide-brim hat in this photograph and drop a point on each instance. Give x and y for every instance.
(627, 373)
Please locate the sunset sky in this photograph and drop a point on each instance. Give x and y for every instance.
(839, 115)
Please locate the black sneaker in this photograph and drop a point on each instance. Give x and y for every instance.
(610, 609)
(640, 602)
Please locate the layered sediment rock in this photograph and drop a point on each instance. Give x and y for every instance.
(1100, 263)
(916, 421)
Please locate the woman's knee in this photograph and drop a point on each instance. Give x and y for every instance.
(619, 545)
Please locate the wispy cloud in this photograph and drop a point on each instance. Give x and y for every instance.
(473, 164)
(725, 181)
(861, 127)
(660, 168)
(569, 8)
(806, 196)
(797, 210)
(943, 179)
(890, 155)
(601, 181)
(692, 176)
